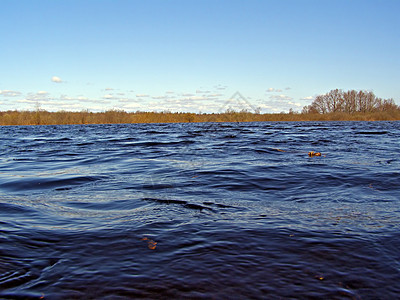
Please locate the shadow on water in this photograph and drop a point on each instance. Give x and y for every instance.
(213, 259)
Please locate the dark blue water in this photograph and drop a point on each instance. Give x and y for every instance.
(200, 211)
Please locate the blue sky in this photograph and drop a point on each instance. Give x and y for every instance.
(194, 55)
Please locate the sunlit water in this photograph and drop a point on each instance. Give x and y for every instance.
(223, 211)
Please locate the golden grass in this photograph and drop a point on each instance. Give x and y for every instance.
(42, 117)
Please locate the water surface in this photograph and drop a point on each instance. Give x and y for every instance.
(210, 210)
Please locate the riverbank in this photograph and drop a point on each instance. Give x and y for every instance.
(42, 117)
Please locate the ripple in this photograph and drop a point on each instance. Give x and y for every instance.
(34, 183)
(200, 211)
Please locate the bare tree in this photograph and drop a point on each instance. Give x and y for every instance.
(349, 102)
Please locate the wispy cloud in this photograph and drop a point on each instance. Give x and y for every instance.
(307, 98)
(160, 97)
(63, 106)
(195, 98)
(9, 93)
(278, 105)
(38, 96)
(294, 103)
(274, 90)
(97, 101)
(25, 101)
(202, 99)
(133, 106)
(280, 97)
(78, 98)
(220, 87)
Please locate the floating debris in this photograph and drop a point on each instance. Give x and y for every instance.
(312, 153)
(150, 243)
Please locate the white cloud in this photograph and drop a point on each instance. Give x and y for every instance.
(57, 106)
(307, 98)
(93, 101)
(56, 79)
(274, 90)
(132, 105)
(280, 97)
(81, 99)
(159, 97)
(183, 103)
(8, 93)
(26, 101)
(294, 103)
(195, 98)
(65, 97)
(263, 105)
(41, 101)
(38, 96)
(278, 103)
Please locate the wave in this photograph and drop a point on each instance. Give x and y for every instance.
(35, 183)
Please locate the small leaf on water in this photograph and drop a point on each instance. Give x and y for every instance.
(150, 243)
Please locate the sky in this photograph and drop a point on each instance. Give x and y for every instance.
(194, 56)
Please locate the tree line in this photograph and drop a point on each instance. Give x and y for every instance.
(113, 116)
(335, 105)
(350, 102)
